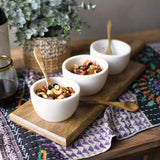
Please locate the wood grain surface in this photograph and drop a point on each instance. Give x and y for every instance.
(65, 132)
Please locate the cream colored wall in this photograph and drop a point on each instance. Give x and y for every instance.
(127, 16)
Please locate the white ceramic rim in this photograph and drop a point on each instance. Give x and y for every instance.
(56, 100)
(118, 55)
(91, 75)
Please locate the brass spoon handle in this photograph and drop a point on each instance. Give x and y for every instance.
(127, 105)
(39, 60)
(109, 30)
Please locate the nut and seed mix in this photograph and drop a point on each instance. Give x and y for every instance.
(87, 68)
(55, 92)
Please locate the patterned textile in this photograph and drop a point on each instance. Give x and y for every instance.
(7, 141)
(147, 87)
(16, 143)
(19, 143)
(155, 46)
(98, 136)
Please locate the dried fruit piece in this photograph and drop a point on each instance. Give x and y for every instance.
(44, 89)
(87, 68)
(54, 92)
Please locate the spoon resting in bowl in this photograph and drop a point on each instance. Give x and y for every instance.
(109, 30)
(39, 59)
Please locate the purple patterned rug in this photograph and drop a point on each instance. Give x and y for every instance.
(98, 136)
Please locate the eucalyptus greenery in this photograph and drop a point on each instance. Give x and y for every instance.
(44, 18)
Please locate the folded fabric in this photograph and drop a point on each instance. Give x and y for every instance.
(97, 138)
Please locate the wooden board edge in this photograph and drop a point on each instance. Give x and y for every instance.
(139, 73)
(26, 124)
(82, 127)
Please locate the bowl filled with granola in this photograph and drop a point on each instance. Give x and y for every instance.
(88, 71)
(56, 102)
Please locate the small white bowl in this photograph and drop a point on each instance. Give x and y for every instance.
(55, 110)
(89, 84)
(120, 54)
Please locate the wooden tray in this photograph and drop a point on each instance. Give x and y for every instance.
(65, 132)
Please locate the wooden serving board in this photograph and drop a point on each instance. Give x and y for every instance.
(65, 132)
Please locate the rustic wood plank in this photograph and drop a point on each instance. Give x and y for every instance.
(62, 132)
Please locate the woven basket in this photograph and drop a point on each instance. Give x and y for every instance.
(53, 50)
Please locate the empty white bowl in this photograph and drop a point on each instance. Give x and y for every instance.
(120, 54)
(59, 109)
(89, 84)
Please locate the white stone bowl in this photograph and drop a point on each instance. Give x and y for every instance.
(119, 59)
(55, 110)
(89, 84)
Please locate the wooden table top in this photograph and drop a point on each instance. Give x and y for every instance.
(143, 143)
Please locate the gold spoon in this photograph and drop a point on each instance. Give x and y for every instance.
(109, 30)
(40, 62)
(127, 105)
